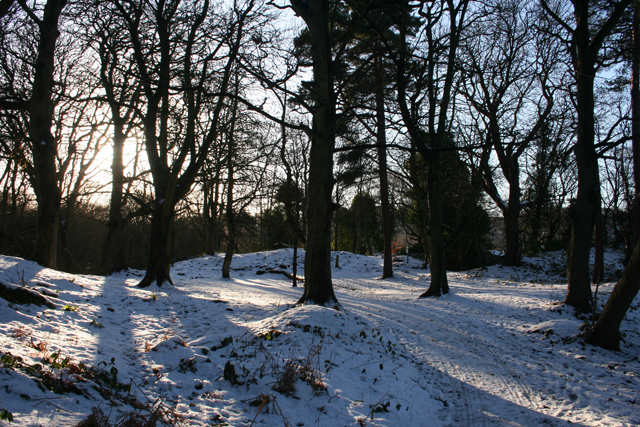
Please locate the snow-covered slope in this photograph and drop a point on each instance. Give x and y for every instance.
(498, 350)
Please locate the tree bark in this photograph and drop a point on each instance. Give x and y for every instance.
(318, 288)
(635, 116)
(512, 217)
(585, 45)
(210, 215)
(231, 226)
(295, 262)
(606, 332)
(159, 264)
(439, 283)
(43, 144)
(583, 208)
(598, 265)
(387, 269)
(114, 257)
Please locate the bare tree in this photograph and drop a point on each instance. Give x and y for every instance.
(318, 288)
(184, 55)
(122, 91)
(586, 39)
(507, 80)
(37, 101)
(606, 332)
(428, 72)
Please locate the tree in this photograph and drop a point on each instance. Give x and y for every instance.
(606, 332)
(430, 79)
(366, 227)
(184, 56)
(121, 94)
(37, 101)
(548, 158)
(231, 153)
(586, 40)
(368, 86)
(507, 81)
(318, 288)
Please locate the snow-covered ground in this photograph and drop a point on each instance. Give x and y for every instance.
(498, 350)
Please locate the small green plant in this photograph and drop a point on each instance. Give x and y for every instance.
(154, 297)
(10, 361)
(110, 378)
(381, 407)
(225, 342)
(270, 335)
(307, 328)
(70, 307)
(96, 324)
(187, 365)
(6, 415)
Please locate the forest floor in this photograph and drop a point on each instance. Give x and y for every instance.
(499, 350)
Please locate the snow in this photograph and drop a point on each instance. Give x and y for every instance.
(498, 350)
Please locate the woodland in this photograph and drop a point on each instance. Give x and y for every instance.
(139, 133)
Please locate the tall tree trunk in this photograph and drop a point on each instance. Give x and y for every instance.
(536, 224)
(318, 288)
(159, 264)
(210, 215)
(231, 150)
(295, 262)
(43, 144)
(512, 217)
(439, 283)
(606, 332)
(387, 269)
(114, 257)
(635, 115)
(231, 227)
(583, 208)
(598, 264)
(65, 259)
(421, 207)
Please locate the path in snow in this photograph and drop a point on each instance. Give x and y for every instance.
(471, 338)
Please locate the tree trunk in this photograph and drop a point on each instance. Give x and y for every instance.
(210, 215)
(598, 265)
(606, 332)
(5, 5)
(159, 264)
(295, 262)
(511, 219)
(114, 257)
(231, 227)
(583, 208)
(387, 269)
(422, 209)
(536, 223)
(439, 284)
(635, 115)
(43, 144)
(65, 259)
(231, 152)
(318, 288)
